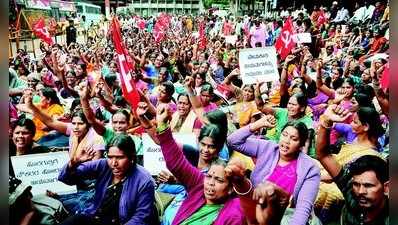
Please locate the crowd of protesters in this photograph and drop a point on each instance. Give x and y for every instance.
(311, 148)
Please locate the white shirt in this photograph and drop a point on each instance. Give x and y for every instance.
(363, 13)
(284, 13)
(342, 15)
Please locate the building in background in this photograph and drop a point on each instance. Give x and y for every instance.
(152, 7)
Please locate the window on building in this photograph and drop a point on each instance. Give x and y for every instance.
(79, 9)
(93, 10)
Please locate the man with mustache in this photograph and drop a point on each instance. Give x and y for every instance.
(364, 182)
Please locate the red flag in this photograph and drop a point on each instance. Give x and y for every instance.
(321, 18)
(125, 65)
(284, 44)
(162, 24)
(141, 24)
(40, 30)
(202, 36)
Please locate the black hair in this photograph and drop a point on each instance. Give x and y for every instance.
(301, 86)
(251, 86)
(110, 79)
(337, 83)
(350, 81)
(219, 118)
(75, 104)
(124, 112)
(125, 144)
(169, 87)
(369, 116)
(220, 162)
(363, 100)
(51, 94)
(301, 99)
(366, 90)
(79, 113)
(364, 95)
(185, 95)
(370, 163)
(28, 124)
(99, 115)
(302, 130)
(120, 101)
(207, 87)
(71, 72)
(214, 132)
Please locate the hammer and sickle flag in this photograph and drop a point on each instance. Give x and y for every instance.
(284, 44)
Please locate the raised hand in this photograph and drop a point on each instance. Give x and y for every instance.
(259, 84)
(340, 94)
(166, 177)
(270, 121)
(266, 121)
(28, 97)
(84, 155)
(337, 113)
(84, 90)
(98, 88)
(289, 59)
(235, 170)
(189, 82)
(142, 109)
(319, 65)
(163, 114)
(271, 203)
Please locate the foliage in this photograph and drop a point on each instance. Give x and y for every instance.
(207, 3)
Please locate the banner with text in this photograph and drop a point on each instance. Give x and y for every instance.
(41, 172)
(258, 64)
(153, 157)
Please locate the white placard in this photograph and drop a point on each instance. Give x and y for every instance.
(258, 64)
(231, 39)
(302, 38)
(153, 156)
(377, 56)
(343, 28)
(41, 172)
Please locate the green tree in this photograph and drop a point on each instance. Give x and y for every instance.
(207, 3)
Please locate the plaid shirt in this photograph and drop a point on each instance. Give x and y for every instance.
(351, 214)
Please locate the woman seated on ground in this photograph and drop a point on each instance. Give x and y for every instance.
(200, 159)
(206, 95)
(82, 138)
(21, 140)
(120, 123)
(282, 164)
(210, 199)
(295, 112)
(22, 143)
(184, 120)
(245, 107)
(49, 105)
(124, 191)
